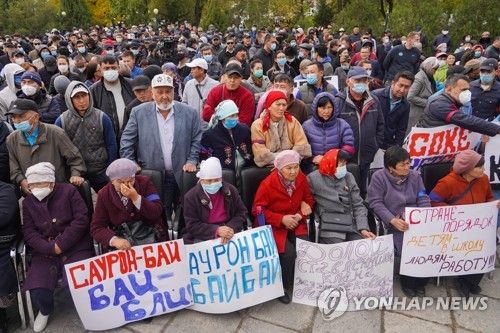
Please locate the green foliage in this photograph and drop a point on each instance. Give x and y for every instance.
(28, 16)
(77, 13)
(474, 17)
(364, 13)
(324, 14)
(216, 12)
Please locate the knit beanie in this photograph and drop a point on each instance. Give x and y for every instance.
(210, 169)
(466, 161)
(33, 76)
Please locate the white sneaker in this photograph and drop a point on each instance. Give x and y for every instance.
(40, 322)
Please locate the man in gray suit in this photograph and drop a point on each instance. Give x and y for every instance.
(164, 135)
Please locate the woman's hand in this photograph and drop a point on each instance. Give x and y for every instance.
(290, 221)
(399, 224)
(121, 244)
(129, 192)
(368, 234)
(77, 181)
(225, 234)
(57, 249)
(305, 208)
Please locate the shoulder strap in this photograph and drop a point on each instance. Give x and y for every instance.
(455, 199)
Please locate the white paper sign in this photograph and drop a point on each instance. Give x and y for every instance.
(120, 287)
(363, 267)
(492, 159)
(242, 273)
(438, 144)
(450, 240)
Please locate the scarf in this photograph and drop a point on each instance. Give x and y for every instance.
(289, 185)
(257, 81)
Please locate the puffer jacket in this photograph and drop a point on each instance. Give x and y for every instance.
(331, 134)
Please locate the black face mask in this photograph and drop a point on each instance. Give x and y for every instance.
(180, 56)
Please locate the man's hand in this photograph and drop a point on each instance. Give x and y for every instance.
(399, 224)
(368, 234)
(121, 244)
(76, 180)
(24, 186)
(188, 167)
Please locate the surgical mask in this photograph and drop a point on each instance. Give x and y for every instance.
(444, 50)
(467, 39)
(62, 68)
(445, 32)
(24, 126)
(369, 72)
(231, 122)
(301, 54)
(281, 62)
(254, 29)
(41, 193)
(477, 54)
(273, 46)
(54, 53)
(386, 41)
(119, 40)
(467, 48)
(258, 73)
(345, 67)
(20, 49)
(293, 44)
(28, 90)
(81, 69)
(208, 58)
(312, 78)
(19, 61)
(417, 44)
(464, 97)
(45, 54)
(81, 49)
(441, 63)
(135, 52)
(18, 79)
(341, 172)
(110, 52)
(290, 60)
(165, 106)
(486, 78)
(212, 188)
(359, 88)
(111, 75)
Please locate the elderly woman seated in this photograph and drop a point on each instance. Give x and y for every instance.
(391, 190)
(227, 138)
(285, 200)
(56, 229)
(131, 200)
(339, 206)
(465, 184)
(212, 209)
(276, 130)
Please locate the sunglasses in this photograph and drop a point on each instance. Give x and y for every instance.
(37, 44)
(230, 43)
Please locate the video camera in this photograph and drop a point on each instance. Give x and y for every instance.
(167, 49)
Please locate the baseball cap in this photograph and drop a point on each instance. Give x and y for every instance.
(357, 72)
(440, 54)
(79, 88)
(489, 65)
(198, 62)
(21, 106)
(162, 80)
(141, 82)
(233, 68)
(50, 63)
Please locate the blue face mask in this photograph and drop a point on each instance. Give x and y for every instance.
(54, 53)
(341, 172)
(82, 49)
(301, 54)
(281, 61)
(467, 39)
(477, 54)
(486, 78)
(24, 126)
(258, 73)
(208, 58)
(45, 55)
(212, 188)
(135, 52)
(345, 67)
(293, 44)
(359, 88)
(17, 79)
(312, 78)
(231, 123)
(273, 47)
(21, 49)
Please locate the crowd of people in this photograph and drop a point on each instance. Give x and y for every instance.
(100, 105)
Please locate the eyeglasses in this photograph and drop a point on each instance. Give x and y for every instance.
(230, 43)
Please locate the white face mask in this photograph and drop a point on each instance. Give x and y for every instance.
(19, 61)
(28, 90)
(442, 63)
(369, 72)
(41, 193)
(63, 68)
(111, 75)
(165, 107)
(465, 97)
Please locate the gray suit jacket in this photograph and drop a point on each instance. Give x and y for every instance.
(140, 140)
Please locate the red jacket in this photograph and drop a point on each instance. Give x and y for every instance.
(276, 203)
(109, 211)
(242, 97)
(453, 185)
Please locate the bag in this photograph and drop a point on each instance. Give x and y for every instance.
(339, 222)
(138, 233)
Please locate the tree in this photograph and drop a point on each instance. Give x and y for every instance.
(216, 12)
(324, 13)
(100, 11)
(77, 13)
(28, 16)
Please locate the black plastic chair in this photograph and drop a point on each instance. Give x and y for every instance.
(432, 173)
(158, 179)
(250, 180)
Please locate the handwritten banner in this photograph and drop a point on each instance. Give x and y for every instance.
(363, 267)
(492, 159)
(451, 240)
(438, 144)
(243, 273)
(120, 287)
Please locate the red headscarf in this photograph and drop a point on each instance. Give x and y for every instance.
(272, 97)
(328, 164)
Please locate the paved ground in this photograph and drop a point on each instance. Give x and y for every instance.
(279, 318)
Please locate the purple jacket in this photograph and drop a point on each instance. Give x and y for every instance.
(61, 218)
(196, 211)
(324, 135)
(389, 199)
